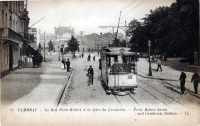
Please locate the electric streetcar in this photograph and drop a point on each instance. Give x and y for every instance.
(118, 70)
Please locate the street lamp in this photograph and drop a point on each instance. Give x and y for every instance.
(62, 50)
(149, 45)
(58, 53)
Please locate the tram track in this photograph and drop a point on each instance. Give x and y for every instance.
(165, 82)
(159, 93)
(134, 99)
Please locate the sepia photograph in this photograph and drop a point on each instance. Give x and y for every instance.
(100, 63)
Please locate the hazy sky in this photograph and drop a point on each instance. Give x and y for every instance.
(88, 15)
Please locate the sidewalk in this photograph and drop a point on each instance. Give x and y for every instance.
(168, 74)
(36, 87)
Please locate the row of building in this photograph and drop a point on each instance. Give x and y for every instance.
(92, 42)
(15, 39)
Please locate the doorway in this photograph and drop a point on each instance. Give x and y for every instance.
(10, 57)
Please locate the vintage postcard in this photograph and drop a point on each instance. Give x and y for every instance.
(100, 63)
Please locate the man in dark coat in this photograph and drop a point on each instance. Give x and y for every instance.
(195, 80)
(68, 65)
(91, 72)
(89, 57)
(93, 58)
(182, 81)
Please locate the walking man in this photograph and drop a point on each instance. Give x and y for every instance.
(91, 73)
(89, 57)
(82, 55)
(195, 79)
(182, 81)
(68, 65)
(159, 64)
(93, 58)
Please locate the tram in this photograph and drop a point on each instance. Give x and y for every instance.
(118, 70)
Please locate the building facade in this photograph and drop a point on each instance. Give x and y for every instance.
(14, 22)
(82, 41)
(92, 41)
(45, 38)
(63, 35)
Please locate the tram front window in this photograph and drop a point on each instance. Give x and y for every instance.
(120, 68)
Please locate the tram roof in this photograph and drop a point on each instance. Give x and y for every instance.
(117, 51)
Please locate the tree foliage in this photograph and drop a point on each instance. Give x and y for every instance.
(73, 45)
(172, 30)
(51, 46)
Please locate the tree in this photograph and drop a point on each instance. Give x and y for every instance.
(51, 45)
(122, 43)
(172, 30)
(73, 45)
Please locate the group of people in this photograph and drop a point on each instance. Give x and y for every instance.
(90, 57)
(66, 63)
(195, 80)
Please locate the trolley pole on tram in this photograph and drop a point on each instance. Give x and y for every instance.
(150, 71)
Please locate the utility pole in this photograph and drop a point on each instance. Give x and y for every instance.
(44, 46)
(126, 34)
(117, 29)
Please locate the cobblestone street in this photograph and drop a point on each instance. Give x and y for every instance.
(41, 88)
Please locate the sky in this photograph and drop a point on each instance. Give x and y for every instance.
(88, 15)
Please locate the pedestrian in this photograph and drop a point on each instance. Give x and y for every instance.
(91, 73)
(182, 81)
(82, 55)
(195, 79)
(159, 64)
(68, 65)
(93, 58)
(89, 57)
(63, 62)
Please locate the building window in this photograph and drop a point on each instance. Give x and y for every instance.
(10, 6)
(5, 48)
(10, 25)
(13, 25)
(6, 20)
(2, 19)
(16, 27)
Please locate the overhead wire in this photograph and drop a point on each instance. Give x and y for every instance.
(133, 8)
(121, 11)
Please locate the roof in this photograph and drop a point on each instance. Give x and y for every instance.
(80, 38)
(62, 30)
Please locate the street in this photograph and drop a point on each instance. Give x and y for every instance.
(156, 95)
(150, 92)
